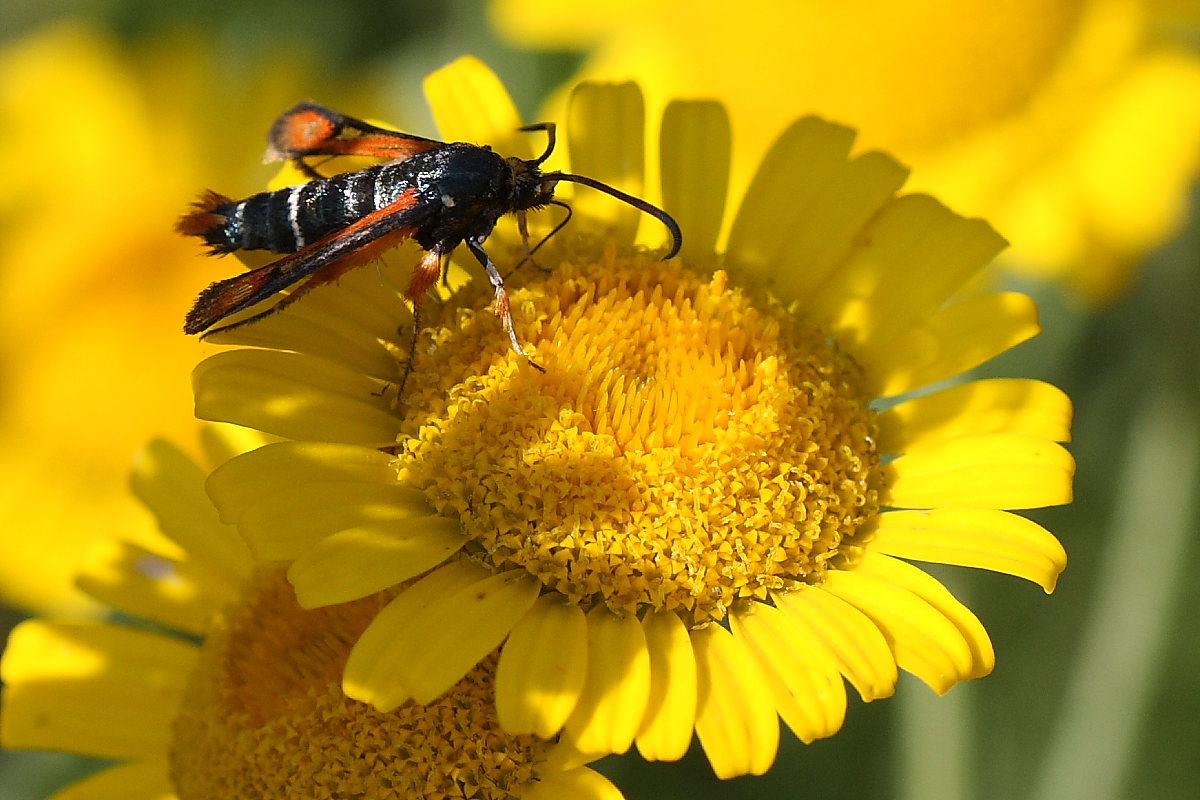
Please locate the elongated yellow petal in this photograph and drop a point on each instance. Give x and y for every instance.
(285, 523)
(542, 668)
(242, 482)
(606, 141)
(96, 689)
(470, 104)
(929, 589)
(454, 635)
(791, 176)
(293, 395)
(861, 650)
(223, 442)
(449, 636)
(830, 223)
(613, 701)
(179, 594)
(580, 783)
(42, 650)
(298, 332)
(356, 324)
(736, 720)
(666, 730)
(368, 558)
(997, 470)
(909, 260)
(996, 405)
(695, 171)
(949, 342)
(141, 780)
(982, 538)
(922, 639)
(808, 688)
(375, 667)
(171, 486)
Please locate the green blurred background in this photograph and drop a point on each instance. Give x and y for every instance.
(1095, 692)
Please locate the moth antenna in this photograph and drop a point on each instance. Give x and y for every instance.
(638, 203)
(549, 128)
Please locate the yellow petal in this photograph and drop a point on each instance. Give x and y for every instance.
(222, 442)
(178, 594)
(171, 486)
(666, 730)
(542, 668)
(368, 558)
(358, 324)
(563, 754)
(285, 523)
(95, 689)
(141, 780)
(997, 405)
(580, 783)
(293, 395)
(736, 720)
(950, 341)
(613, 701)
(832, 221)
(457, 633)
(996, 470)
(907, 262)
(790, 177)
(807, 685)
(923, 641)
(242, 482)
(982, 538)
(421, 646)
(606, 132)
(695, 171)
(470, 104)
(861, 650)
(374, 667)
(929, 589)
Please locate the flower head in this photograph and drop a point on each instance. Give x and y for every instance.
(694, 518)
(248, 703)
(1074, 127)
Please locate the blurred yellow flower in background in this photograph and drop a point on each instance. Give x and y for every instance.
(101, 147)
(1072, 125)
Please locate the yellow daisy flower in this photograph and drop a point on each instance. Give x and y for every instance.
(1074, 127)
(695, 517)
(247, 702)
(96, 281)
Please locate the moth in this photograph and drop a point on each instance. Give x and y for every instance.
(439, 194)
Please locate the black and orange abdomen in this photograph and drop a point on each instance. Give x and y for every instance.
(286, 220)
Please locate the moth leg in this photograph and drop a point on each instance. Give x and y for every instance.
(503, 311)
(311, 172)
(523, 229)
(426, 274)
(412, 352)
(423, 279)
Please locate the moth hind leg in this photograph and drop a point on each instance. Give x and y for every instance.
(425, 275)
(503, 306)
